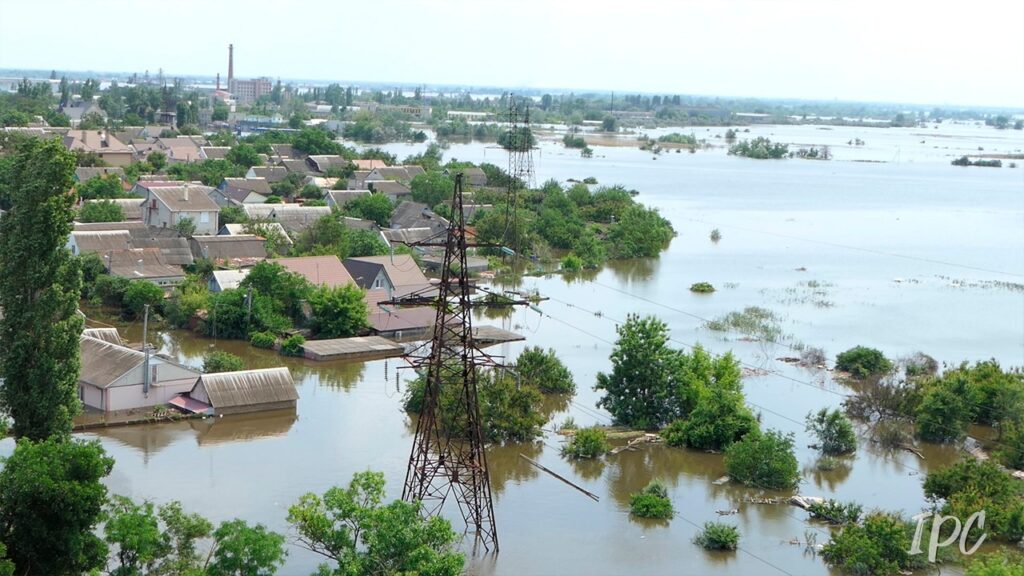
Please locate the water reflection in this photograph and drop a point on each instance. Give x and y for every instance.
(507, 466)
(637, 270)
(828, 473)
(243, 427)
(335, 374)
(588, 468)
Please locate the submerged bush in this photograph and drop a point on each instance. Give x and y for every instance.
(718, 536)
(262, 340)
(836, 512)
(834, 431)
(586, 443)
(879, 546)
(292, 345)
(702, 288)
(544, 371)
(862, 362)
(1004, 563)
(765, 460)
(716, 235)
(219, 361)
(651, 502)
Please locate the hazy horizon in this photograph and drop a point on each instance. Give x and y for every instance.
(881, 53)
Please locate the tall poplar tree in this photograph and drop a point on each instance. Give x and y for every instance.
(41, 282)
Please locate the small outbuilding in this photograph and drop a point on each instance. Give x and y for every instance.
(246, 390)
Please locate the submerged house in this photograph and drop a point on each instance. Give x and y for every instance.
(115, 377)
(246, 391)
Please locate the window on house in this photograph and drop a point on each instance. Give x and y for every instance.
(204, 217)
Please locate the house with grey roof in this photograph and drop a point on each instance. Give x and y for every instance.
(144, 264)
(393, 189)
(130, 207)
(338, 198)
(272, 174)
(83, 174)
(246, 391)
(213, 152)
(167, 206)
(234, 251)
(107, 147)
(114, 377)
(323, 163)
(397, 275)
(238, 191)
(294, 218)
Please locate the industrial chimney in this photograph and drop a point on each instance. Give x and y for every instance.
(231, 67)
(218, 81)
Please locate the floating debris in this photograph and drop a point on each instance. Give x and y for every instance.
(720, 481)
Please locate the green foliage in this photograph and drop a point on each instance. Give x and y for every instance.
(265, 340)
(318, 141)
(587, 443)
(651, 502)
(227, 312)
(376, 207)
(135, 531)
(677, 138)
(286, 290)
(765, 460)
(702, 288)
(376, 128)
(544, 371)
(715, 235)
(100, 187)
(338, 312)
(719, 419)
(753, 321)
(609, 124)
(862, 362)
(942, 415)
(51, 499)
(879, 545)
(834, 431)
(244, 155)
(101, 211)
(109, 290)
(970, 486)
(508, 412)
(432, 188)
(1004, 563)
(573, 141)
(209, 172)
(243, 550)
(40, 328)
(521, 139)
(639, 233)
(330, 235)
(361, 535)
(188, 299)
(311, 192)
(572, 263)
(645, 388)
(1011, 449)
(292, 345)
(186, 227)
(231, 215)
(760, 148)
(836, 512)
(140, 293)
(220, 361)
(718, 536)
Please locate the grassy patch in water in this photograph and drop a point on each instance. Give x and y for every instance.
(752, 321)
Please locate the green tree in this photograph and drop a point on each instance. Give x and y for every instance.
(376, 207)
(186, 227)
(640, 233)
(764, 460)
(338, 312)
(157, 159)
(229, 315)
(101, 211)
(432, 188)
(51, 499)
(586, 443)
(879, 545)
(316, 141)
(969, 486)
(651, 502)
(105, 186)
(942, 415)
(139, 294)
(244, 155)
(135, 531)
(544, 371)
(363, 536)
(834, 431)
(220, 361)
(243, 550)
(645, 387)
(609, 124)
(286, 289)
(862, 362)
(997, 564)
(40, 328)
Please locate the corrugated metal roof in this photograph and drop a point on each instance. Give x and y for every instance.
(109, 335)
(229, 248)
(230, 279)
(249, 387)
(103, 362)
(189, 198)
(319, 270)
(102, 241)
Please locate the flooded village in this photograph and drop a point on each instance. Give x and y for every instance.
(297, 327)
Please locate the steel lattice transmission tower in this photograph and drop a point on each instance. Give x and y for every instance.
(520, 165)
(448, 457)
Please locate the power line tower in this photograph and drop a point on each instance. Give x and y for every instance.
(519, 144)
(448, 457)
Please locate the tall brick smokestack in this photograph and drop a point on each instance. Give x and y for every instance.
(231, 64)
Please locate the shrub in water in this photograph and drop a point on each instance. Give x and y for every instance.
(262, 339)
(718, 536)
(833, 430)
(651, 502)
(587, 443)
(764, 460)
(292, 345)
(836, 512)
(702, 288)
(862, 362)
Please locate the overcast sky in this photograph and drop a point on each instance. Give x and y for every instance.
(895, 50)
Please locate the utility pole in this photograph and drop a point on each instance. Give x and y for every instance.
(248, 307)
(145, 350)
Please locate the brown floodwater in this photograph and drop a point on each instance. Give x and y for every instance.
(904, 257)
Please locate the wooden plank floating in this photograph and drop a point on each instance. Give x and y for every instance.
(358, 348)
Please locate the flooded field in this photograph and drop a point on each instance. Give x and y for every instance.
(906, 254)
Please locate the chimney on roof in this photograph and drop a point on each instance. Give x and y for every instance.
(231, 65)
(186, 193)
